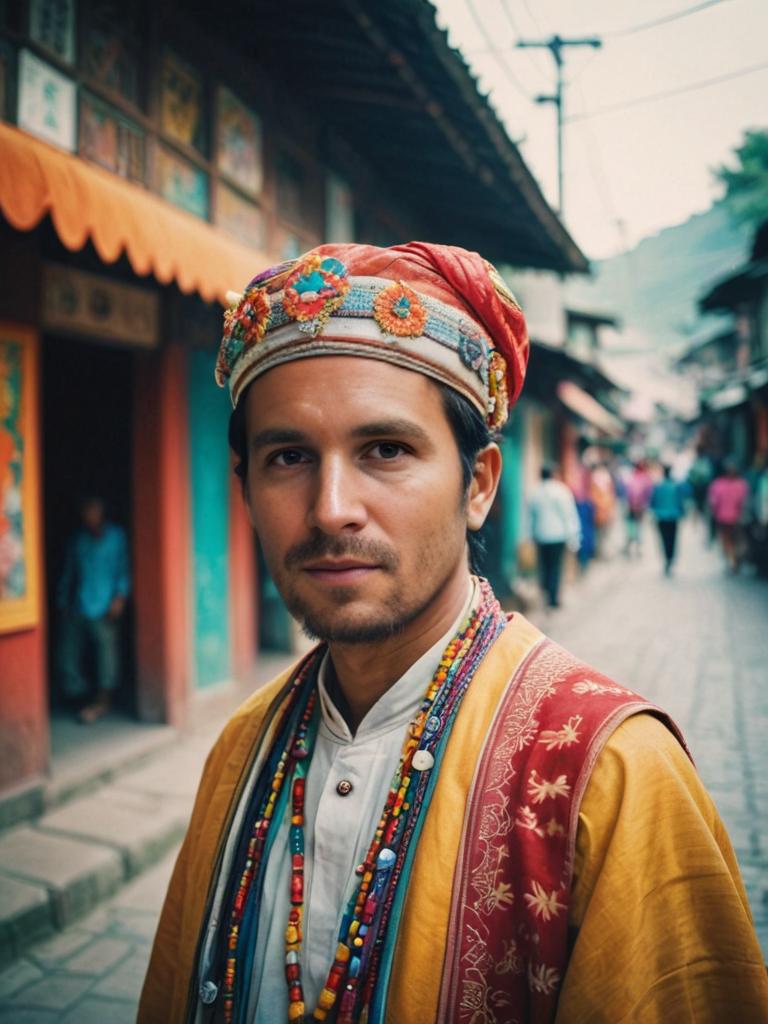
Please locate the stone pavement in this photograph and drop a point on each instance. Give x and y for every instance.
(695, 643)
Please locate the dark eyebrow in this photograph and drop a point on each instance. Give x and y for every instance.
(381, 428)
(277, 435)
(392, 428)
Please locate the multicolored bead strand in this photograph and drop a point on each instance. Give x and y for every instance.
(347, 993)
(295, 750)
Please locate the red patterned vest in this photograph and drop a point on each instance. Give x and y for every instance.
(508, 932)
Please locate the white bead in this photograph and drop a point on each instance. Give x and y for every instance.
(422, 761)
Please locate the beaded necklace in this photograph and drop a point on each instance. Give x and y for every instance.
(350, 984)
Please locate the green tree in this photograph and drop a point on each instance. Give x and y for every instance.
(746, 181)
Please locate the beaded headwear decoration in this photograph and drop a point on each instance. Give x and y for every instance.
(435, 309)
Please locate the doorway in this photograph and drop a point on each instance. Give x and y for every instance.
(87, 402)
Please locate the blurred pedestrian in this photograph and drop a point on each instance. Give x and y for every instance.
(728, 501)
(638, 489)
(603, 495)
(757, 526)
(699, 478)
(586, 509)
(668, 507)
(554, 525)
(93, 588)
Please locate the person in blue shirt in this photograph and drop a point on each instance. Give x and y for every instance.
(668, 500)
(93, 588)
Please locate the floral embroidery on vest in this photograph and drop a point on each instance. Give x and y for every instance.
(508, 932)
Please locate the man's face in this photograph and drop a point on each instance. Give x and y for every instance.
(354, 488)
(92, 515)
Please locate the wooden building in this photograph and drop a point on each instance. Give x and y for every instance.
(152, 157)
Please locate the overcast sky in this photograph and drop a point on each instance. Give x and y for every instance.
(632, 170)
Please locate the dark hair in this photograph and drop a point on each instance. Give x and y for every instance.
(467, 425)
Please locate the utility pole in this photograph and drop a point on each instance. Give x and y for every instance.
(556, 45)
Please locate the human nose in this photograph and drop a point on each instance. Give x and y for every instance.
(337, 505)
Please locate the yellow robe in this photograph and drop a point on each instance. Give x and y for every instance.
(662, 921)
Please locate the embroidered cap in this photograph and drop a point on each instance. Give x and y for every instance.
(435, 309)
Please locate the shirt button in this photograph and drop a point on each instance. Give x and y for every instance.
(208, 992)
(344, 787)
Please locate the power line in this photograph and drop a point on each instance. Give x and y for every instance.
(631, 29)
(556, 45)
(655, 97)
(664, 19)
(599, 177)
(495, 53)
(513, 25)
(510, 19)
(533, 18)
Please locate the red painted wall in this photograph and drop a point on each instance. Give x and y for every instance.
(24, 743)
(161, 536)
(23, 706)
(242, 582)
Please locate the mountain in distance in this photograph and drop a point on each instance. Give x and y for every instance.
(654, 288)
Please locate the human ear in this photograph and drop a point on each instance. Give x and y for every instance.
(484, 484)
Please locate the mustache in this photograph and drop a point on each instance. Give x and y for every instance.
(321, 546)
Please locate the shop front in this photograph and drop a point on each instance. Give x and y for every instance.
(106, 355)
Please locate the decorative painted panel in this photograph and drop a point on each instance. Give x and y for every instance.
(52, 26)
(182, 183)
(110, 140)
(47, 101)
(182, 103)
(112, 45)
(19, 598)
(239, 154)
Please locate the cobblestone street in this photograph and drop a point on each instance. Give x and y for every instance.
(694, 643)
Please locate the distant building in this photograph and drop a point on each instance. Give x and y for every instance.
(731, 365)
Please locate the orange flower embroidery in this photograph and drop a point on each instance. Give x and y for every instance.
(398, 310)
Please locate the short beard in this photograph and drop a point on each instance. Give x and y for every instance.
(364, 633)
(332, 628)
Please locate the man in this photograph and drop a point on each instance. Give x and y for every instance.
(554, 524)
(668, 506)
(94, 585)
(439, 815)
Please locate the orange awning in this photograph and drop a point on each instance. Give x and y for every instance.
(86, 202)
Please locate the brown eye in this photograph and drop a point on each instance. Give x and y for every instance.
(387, 450)
(288, 457)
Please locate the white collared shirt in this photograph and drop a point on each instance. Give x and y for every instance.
(337, 832)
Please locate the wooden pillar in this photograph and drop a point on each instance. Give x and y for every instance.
(161, 555)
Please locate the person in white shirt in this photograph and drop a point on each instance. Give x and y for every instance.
(554, 526)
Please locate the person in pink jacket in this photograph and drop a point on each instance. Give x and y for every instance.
(727, 498)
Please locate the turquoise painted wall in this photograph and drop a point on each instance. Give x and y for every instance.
(209, 496)
(501, 532)
(511, 487)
